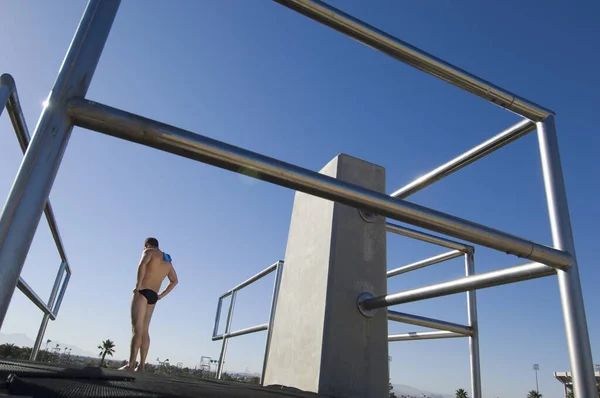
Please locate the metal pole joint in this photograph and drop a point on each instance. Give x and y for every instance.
(360, 302)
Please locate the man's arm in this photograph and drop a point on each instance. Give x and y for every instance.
(172, 275)
(146, 256)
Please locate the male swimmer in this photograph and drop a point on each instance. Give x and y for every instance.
(154, 266)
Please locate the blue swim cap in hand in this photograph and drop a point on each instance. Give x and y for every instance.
(166, 257)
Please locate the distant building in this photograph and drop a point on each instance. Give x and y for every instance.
(567, 381)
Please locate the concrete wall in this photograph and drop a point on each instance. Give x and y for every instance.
(320, 341)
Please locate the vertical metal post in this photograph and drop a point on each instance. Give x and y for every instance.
(46, 317)
(276, 284)
(40, 337)
(578, 340)
(61, 295)
(218, 317)
(30, 190)
(475, 363)
(225, 333)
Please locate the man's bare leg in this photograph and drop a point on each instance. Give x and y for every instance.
(138, 314)
(145, 338)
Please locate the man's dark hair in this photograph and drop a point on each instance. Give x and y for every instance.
(152, 242)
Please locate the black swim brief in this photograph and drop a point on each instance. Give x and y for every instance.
(151, 296)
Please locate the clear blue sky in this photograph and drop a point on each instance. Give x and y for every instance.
(255, 74)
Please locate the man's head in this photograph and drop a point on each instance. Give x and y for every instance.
(151, 243)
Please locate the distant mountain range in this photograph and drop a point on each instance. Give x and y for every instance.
(411, 391)
(22, 340)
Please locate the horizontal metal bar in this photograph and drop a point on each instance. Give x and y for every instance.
(15, 112)
(225, 295)
(441, 334)
(253, 329)
(253, 279)
(429, 323)
(34, 298)
(134, 128)
(241, 332)
(504, 138)
(479, 281)
(425, 263)
(425, 237)
(402, 51)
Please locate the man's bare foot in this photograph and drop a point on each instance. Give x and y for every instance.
(127, 368)
(140, 369)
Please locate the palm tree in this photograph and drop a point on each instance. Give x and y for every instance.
(107, 347)
(7, 350)
(460, 393)
(534, 394)
(26, 352)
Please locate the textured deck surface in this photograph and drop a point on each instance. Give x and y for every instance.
(31, 379)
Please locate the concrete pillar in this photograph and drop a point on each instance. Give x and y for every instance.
(320, 341)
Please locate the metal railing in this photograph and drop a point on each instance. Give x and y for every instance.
(9, 99)
(227, 334)
(69, 107)
(445, 329)
(117, 123)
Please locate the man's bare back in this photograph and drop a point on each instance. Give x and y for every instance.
(153, 268)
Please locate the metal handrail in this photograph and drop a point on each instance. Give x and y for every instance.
(425, 237)
(437, 334)
(242, 285)
(135, 128)
(252, 279)
(227, 334)
(469, 284)
(241, 332)
(34, 298)
(425, 263)
(445, 329)
(415, 57)
(502, 139)
(9, 99)
(499, 277)
(429, 323)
